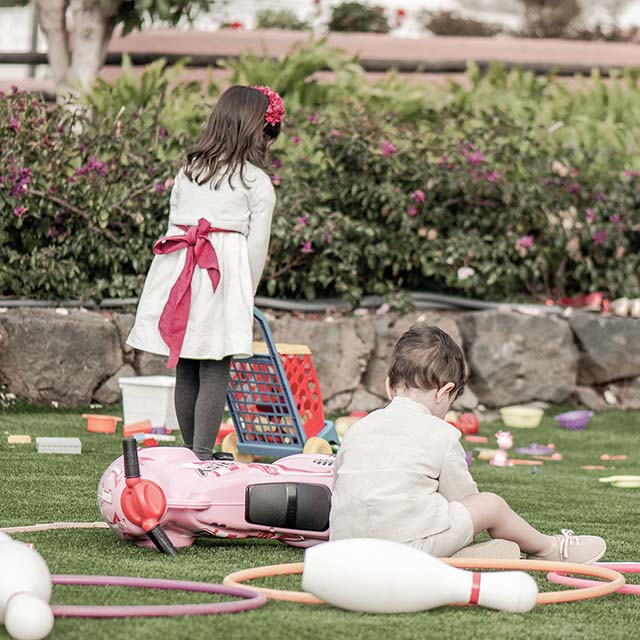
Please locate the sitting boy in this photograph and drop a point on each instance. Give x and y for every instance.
(401, 472)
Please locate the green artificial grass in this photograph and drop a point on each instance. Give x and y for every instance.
(44, 488)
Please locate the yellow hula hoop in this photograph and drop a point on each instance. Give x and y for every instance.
(614, 579)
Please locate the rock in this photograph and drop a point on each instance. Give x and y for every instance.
(150, 364)
(124, 324)
(388, 330)
(49, 358)
(362, 400)
(340, 350)
(609, 347)
(468, 401)
(109, 392)
(338, 403)
(591, 398)
(516, 358)
(628, 393)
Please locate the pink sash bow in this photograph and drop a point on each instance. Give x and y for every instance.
(200, 253)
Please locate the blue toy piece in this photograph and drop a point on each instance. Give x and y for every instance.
(262, 407)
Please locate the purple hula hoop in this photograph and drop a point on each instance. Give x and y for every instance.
(250, 599)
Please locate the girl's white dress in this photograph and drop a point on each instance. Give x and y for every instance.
(221, 323)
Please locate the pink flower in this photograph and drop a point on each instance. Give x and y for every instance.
(465, 272)
(475, 158)
(601, 196)
(525, 242)
(303, 220)
(630, 173)
(412, 212)
(277, 179)
(442, 160)
(388, 148)
(327, 237)
(336, 133)
(590, 215)
(615, 218)
(21, 105)
(418, 196)
(158, 187)
(15, 124)
(276, 163)
(314, 118)
(493, 176)
(39, 121)
(600, 237)
(296, 140)
(18, 211)
(162, 133)
(574, 188)
(306, 247)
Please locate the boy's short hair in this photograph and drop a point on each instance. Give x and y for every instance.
(426, 357)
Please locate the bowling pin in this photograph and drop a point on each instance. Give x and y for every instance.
(25, 591)
(379, 576)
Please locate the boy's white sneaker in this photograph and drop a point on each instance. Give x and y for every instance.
(573, 548)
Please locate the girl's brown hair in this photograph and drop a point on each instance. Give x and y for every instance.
(236, 133)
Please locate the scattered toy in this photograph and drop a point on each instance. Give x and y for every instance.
(157, 437)
(59, 445)
(468, 423)
(623, 482)
(593, 467)
(225, 429)
(143, 426)
(607, 457)
(18, 439)
(556, 457)
(97, 423)
(574, 420)
(477, 439)
(536, 449)
(469, 458)
(521, 417)
(505, 442)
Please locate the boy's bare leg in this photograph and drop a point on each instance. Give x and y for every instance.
(491, 513)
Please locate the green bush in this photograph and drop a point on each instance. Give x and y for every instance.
(515, 187)
(449, 23)
(280, 19)
(355, 16)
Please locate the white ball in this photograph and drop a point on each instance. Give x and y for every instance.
(22, 570)
(28, 617)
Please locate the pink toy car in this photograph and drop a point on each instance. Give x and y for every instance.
(166, 496)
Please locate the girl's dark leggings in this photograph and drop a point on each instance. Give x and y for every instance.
(199, 397)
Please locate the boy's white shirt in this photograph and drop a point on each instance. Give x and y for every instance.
(395, 474)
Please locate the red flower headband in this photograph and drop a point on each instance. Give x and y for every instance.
(275, 110)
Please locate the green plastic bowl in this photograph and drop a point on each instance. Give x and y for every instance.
(519, 417)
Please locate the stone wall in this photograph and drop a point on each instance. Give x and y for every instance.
(75, 357)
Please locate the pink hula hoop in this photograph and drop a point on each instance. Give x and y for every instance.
(250, 599)
(622, 567)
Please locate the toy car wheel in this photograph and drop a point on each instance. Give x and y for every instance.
(230, 445)
(317, 445)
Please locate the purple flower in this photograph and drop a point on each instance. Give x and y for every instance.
(493, 176)
(314, 118)
(328, 238)
(277, 179)
(296, 140)
(601, 196)
(525, 242)
(39, 121)
(475, 158)
(418, 196)
(590, 215)
(15, 124)
(21, 105)
(14, 89)
(158, 187)
(276, 163)
(303, 220)
(18, 211)
(600, 237)
(574, 188)
(388, 148)
(615, 218)
(412, 212)
(306, 247)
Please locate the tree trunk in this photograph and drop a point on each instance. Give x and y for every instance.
(94, 21)
(51, 17)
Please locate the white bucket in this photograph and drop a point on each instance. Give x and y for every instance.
(149, 398)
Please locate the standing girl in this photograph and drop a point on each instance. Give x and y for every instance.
(197, 303)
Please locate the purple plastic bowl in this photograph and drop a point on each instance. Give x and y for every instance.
(576, 420)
